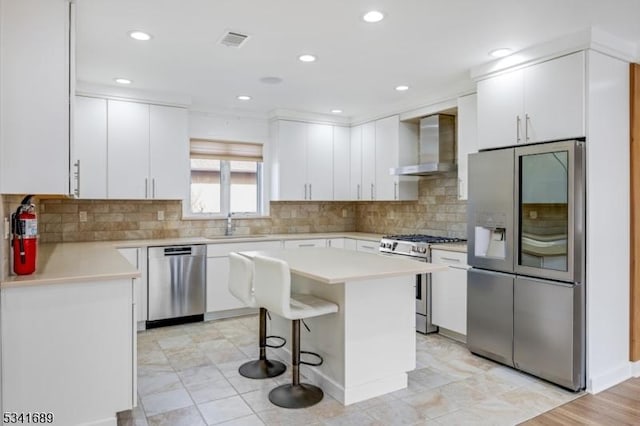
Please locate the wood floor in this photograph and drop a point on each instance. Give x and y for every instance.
(619, 405)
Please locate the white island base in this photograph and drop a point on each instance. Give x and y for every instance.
(369, 345)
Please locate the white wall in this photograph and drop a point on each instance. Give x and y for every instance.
(607, 221)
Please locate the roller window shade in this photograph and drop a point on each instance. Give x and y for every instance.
(222, 150)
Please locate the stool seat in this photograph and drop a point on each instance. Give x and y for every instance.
(303, 306)
(241, 277)
(272, 285)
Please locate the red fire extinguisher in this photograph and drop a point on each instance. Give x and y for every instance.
(24, 224)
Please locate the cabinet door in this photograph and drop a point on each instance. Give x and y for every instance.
(319, 162)
(387, 131)
(139, 284)
(128, 150)
(500, 110)
(90, 147)
(34, 106)
(554, 99)
(169, 152)
(449, 291)
(355, 173)
(341, 163)
(292, 154)
(350, 244)
(335, 242)
(368, 161)
(219, 298)
(467, 139)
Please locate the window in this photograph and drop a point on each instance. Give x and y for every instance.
(226, 177)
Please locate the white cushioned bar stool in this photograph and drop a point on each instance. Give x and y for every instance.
(272, 287)
(241, 286)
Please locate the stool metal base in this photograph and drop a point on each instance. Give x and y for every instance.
(296, 396)
(261, 369)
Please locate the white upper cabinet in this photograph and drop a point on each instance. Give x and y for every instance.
(367, 191)
(467, 139)
(396, 145)
(89, 159)
(320, 162)
(554, 99)
(290, 166)
(128, 150)
(303, 158)
(355, 161)
(538, 103)
(34, 106)
(169, 152)
(341, 163)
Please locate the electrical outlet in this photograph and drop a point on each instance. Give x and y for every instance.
(533, 214)
(160, 214)
(82, 216)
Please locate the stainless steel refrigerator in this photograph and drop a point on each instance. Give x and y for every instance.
(526, 289)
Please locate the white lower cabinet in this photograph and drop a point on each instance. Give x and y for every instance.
(318, 242)
(335, 242)
(69, 349)
(134, 256)
(350, 244)
(219, 298)
(449, 291)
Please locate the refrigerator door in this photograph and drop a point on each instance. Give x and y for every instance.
(490, 315)
(490, 210)
(550, 211)
(549, 331)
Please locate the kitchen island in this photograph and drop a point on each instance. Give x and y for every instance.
(368, 346)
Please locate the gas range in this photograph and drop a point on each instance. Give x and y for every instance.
(414, 245)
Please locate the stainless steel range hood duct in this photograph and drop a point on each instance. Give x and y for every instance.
(437, 151)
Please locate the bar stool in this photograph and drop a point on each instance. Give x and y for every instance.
(241, 286)
(273, 291)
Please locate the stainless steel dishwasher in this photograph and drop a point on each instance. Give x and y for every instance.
(177, 280)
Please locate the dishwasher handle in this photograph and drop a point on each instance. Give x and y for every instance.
(177, 251)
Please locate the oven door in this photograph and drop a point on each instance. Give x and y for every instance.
(422, 295)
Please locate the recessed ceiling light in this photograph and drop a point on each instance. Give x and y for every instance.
(402, 88)
(500, 52)
(373, 16)
(336, 111)
(139, 35)
(307, 58)
(122, 80)
(244, 98)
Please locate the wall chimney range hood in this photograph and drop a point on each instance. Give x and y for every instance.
(437, 149)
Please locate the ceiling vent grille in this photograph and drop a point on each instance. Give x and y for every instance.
(233, 39)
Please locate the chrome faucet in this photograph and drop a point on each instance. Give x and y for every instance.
(230, 226)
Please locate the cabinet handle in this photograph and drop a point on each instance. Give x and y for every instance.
(307, 245)
(305, 191)
(76, 175)
(310, 197)
(395, 190)
(372, 192)
(526, 127)
(368, 247)
(450, 259)
(146, 187)
(518, 128)
(153, 188)
(358, 193)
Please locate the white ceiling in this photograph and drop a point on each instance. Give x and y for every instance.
(429, 45)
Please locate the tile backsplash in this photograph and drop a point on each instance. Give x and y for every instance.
(437, 211)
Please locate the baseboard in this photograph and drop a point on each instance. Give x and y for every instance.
(610, 378)
(231, 313)
(635, 369)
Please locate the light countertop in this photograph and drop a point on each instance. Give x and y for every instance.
(97, 261)
(333, 265)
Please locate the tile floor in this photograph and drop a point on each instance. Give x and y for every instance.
(187, 376)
